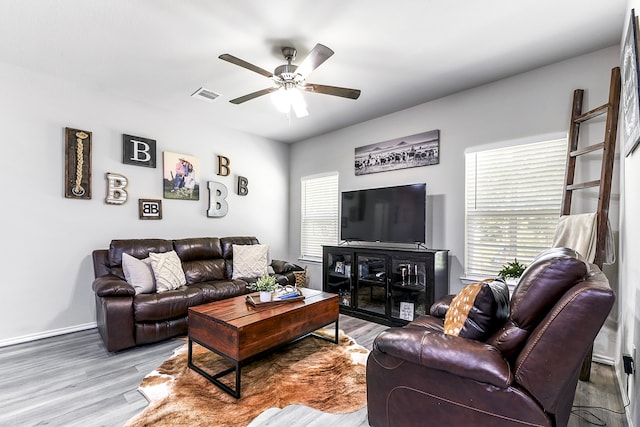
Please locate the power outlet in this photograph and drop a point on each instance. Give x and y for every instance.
(627, 362)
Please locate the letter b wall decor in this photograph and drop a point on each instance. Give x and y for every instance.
(138, 151)
(218, 206)
(116, 193)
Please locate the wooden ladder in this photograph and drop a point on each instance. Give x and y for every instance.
(608, 147)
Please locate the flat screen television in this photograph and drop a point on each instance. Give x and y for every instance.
(389, 214)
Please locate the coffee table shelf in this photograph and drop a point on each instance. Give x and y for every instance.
(239, 332)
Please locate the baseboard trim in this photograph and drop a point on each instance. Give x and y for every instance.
(623, 396)
(603, 360)
(47, 334)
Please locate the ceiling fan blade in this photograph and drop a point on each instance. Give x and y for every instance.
(253, 95)
(332, 90)
(314, 59)
(245, 64)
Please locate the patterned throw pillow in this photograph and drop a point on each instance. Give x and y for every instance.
(139, 274)
(167, 270)
(478, 310)
(250, 261)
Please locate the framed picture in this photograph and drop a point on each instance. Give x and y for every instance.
(406, 311)
(411, 151)
(138, 151)
(630, 97)
(77, 164)
(150, 209)
(180, 177)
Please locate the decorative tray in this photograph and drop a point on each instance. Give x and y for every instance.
(254, 299)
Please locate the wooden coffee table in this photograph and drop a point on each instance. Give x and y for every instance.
(237, 331)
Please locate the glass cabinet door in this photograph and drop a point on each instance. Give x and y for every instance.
(408, 291)
(371, 283)
(339, 276)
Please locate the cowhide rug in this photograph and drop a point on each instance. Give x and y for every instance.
(311, 372)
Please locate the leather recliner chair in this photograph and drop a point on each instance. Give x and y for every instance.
(525, 373)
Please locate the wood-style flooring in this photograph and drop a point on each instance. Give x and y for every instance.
(71, 380)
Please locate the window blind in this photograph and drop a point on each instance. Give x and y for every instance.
(513, 199)
(319, 215)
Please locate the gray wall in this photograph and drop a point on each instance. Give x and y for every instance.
(47, 239)
(628, 339)
(525, 106)
(528, 105)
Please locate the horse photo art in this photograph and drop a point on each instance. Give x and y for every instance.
(412, 151)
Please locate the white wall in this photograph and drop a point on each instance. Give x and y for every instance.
(527, 105)
(47, 239)
(629, 294)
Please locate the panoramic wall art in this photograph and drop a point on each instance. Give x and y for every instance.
(411, 151)
(179, 179)
(77, 164)
(630, 98)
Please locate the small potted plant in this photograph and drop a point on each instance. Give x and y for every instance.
(512, 271)
(266, 285)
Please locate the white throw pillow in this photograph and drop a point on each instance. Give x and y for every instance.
(167, 270)
(250, 260)
(139, 274)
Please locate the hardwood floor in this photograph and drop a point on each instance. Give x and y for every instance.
(71, 380)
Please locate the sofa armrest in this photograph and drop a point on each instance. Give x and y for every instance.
(282, 267)
(441, 306)
(112, 286)
(459, 356)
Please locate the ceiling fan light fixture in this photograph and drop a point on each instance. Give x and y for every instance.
(289, 80)
(280, 100)
(285, 99)
(298, 103)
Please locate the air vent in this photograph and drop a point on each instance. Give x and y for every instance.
(205, 94)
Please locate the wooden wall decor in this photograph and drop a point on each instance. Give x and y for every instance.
(77, 164)
(138, 151)
(150, 208)
(116, 189)
(223, 166)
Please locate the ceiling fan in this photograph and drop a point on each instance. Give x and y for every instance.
(289, 76)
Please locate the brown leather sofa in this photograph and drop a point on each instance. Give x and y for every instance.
(125, 319)
(525, 373)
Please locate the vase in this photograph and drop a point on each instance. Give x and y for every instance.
(265, 296)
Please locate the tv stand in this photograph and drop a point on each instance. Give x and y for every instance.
(391, 286)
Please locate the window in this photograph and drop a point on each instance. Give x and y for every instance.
(513, 199)
(319, 214)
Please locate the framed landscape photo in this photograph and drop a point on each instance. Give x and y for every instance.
(629, 96)
(422, 149)
(180, 176)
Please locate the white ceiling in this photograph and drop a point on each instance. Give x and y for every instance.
(399, 53)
